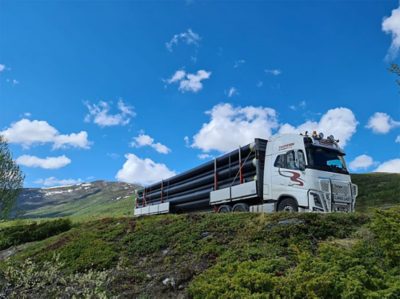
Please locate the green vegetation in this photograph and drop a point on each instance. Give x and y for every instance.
(11, 180)
(223, 255)
(377, 190)
(205, 255)
(94, 207)
(19, 234)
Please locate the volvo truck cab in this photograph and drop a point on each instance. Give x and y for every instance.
(307, 173)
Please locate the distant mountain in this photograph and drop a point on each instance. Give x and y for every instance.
(86, 199)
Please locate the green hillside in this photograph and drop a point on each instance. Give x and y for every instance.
(85, 200)
(377, 190)
(209, 255)
(201, 255)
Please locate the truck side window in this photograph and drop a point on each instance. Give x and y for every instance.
(301, 160)
(290, 160)
(280, 161)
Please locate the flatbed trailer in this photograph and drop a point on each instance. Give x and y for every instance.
(236, 176)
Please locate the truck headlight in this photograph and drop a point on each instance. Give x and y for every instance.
(354, 189)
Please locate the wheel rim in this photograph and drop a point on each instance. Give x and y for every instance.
(288, 209)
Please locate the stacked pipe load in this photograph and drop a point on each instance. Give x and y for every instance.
(190, 190)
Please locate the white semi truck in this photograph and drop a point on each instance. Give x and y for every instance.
(288, 172)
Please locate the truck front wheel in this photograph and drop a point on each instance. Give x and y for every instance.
(288, 205)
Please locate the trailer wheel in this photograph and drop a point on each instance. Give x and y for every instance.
(288, 205)
(240, 207)
(224, 209)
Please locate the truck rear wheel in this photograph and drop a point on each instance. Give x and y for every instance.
(224, 209)
(288, 205)
(240, 207)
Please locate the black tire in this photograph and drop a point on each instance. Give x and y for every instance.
(224, 209)
(288, 205)
(240, 207)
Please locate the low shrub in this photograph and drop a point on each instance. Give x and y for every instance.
(31, 280)
(19, 234)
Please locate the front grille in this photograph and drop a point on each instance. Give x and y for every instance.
(341, 192)
(325, 185)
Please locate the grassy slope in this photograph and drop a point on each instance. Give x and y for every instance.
(228, 255)
(377, 190)
(216, 255)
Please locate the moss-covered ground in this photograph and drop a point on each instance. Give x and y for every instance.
(218, 256)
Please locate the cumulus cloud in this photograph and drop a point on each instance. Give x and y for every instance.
(274, 72)
(2, 67)
(392, 166)
(52, 181)
(188, 37)
(145, 140)
(31, 132)
(381, 123)
(361, 162)
(232, 92)
(397, 139)
(100, 114)
(231, 126)
(45, 163)
(391, 25)
(187, 81)
(339, 122)
(142, 171)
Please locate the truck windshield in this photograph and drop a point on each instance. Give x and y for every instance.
(326, 159)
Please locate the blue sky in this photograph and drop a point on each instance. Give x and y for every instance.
(137, 91)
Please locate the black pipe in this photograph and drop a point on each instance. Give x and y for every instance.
(195, 182)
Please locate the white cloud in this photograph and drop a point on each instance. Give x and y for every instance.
(188, 37)
(397, 139)
(232, 92)
(361, 162)
(339, 122)
(392, 166)
(142, 171)
(99, 114)
(274, 72)
(381, 123)
(2, 67)
(189, 82)
(46, 163)
(238, 63)
(391, 25)
(52, 181)
(27, 133)
(146, 140)
(231, 126)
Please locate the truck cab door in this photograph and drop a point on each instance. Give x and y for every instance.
(287, 173)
